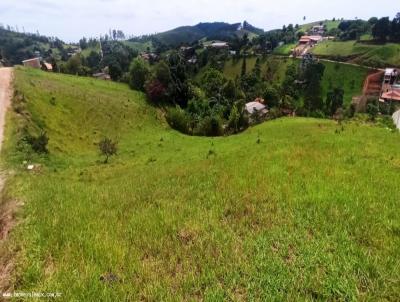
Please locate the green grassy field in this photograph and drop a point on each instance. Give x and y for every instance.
(350, 78)
(308, 213)
(285, 49)
(368, 54)
(233, 68)
(329, 25)
(140, 47)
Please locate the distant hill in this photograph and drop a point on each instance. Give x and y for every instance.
(209, 31)
(16, 47)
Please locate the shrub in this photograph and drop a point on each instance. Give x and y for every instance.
(274, 113)
(178, 119)
(372, 110)
(155, 91)
(107, 148)
(210, 126)
(38, 143)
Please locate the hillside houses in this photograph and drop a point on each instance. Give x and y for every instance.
(37, 63)
(391, 85)
(256, 108)
(310, 40)
(149, 56)
(32, 63)
(318, 30)
(218, 45)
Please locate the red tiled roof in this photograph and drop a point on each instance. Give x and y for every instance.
(392, 95)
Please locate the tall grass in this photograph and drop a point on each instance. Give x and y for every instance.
(310, 212)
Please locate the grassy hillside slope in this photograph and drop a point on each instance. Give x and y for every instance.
(328, 23)
(361, 53)
(309, 212)
(350, 78)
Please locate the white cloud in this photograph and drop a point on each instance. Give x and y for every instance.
(71, 19)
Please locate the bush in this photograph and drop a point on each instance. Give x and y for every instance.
(210, 126)
(178, 119)
(107, 148)
(155, 91)
(372, 110)
(274, 113)
(38, 143)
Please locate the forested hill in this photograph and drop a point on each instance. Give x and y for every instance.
(209, 31)
(15, 46)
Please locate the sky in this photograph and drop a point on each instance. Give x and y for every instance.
(72, 19)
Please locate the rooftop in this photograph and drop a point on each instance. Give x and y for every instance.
(254, 106)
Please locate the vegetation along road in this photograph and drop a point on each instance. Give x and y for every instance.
(6, 209)
(5, 94)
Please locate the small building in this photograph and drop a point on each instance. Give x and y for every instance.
(47, 66)
(187, 51)
(317, 30)
(391, 75)
(218, 45)
(393, 95)
(149, 56)
(102, 76)
(310, 40)
(256, 107)
(391, 85)
(32, 63)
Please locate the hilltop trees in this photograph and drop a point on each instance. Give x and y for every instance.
(381, 29)
(395, 29)
(384, 29)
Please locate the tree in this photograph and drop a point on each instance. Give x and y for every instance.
(83, 43)
(93, 60)
(257, 68)
(179, 90)
(290, 77)
(373, 21)
(313, 76)
(212, 82)
(381, 29)
(334, 101)
(243, 72)
(115, 69)
(107, 148)
(155, 90)
(162, 73)
(229, 90)
(74, 66)
(138, 73)
(395, 29)
(234, 119)
(271, 97)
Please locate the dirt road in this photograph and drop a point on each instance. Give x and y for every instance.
(5, 96)
(7, 207)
